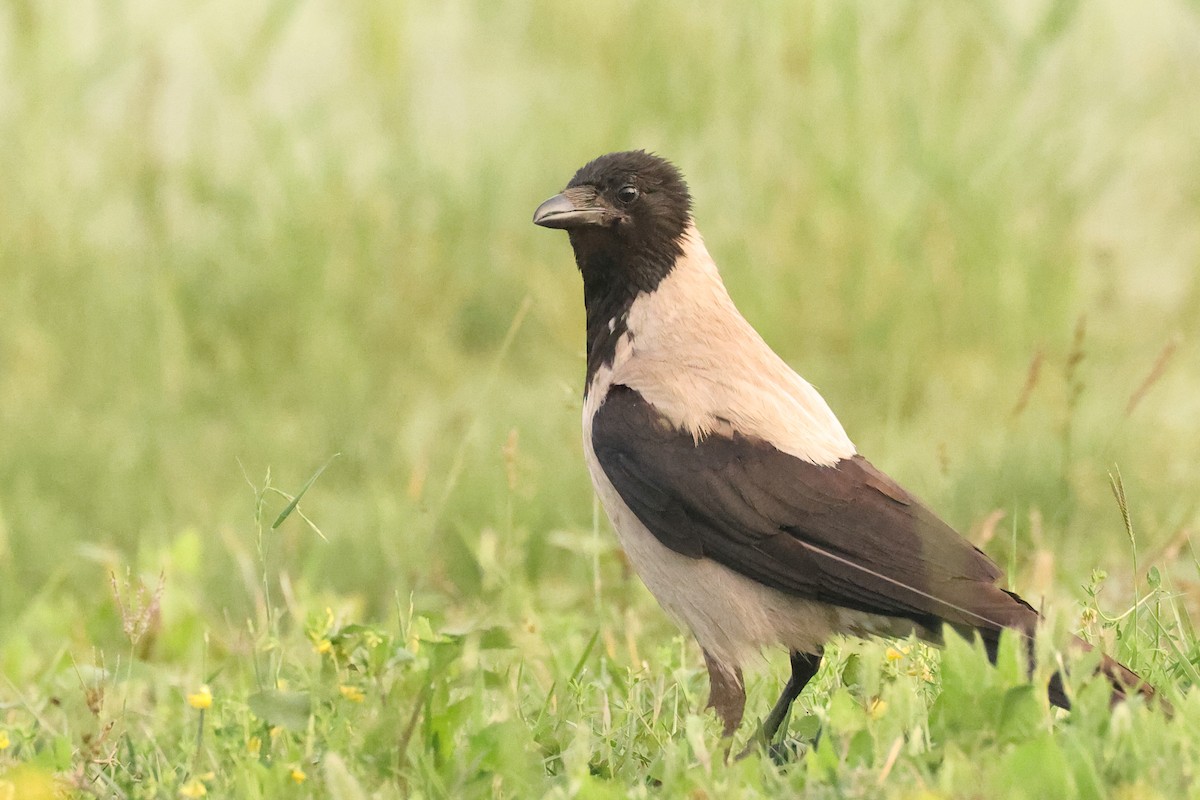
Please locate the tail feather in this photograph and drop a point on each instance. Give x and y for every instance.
(1124, 681)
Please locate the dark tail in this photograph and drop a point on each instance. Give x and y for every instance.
(989, 610)
(1125, 682)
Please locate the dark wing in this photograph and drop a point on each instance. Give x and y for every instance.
(846, 535)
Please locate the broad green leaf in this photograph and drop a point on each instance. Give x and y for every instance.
(1037, 769)
(1021, 714)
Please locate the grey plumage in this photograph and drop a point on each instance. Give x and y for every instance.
(732, 486)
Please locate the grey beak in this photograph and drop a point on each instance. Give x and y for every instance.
(573, 208)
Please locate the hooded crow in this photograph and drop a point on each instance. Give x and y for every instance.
(734, 491)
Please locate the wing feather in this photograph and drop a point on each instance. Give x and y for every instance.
(845, 534)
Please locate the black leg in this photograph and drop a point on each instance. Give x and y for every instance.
(726, 693)
(804, 667)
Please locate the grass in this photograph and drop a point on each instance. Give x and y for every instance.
(237, 241)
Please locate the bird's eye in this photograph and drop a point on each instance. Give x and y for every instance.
(627, 194)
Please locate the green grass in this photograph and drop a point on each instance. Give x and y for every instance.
(237, 241)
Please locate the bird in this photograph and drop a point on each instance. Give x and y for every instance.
(733, 489)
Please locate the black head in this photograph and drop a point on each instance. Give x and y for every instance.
(626, 214)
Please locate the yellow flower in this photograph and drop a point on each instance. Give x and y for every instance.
(254, 745)
(5, 742)
(298, 775)
(893, 654)
(201, 698)
(323, 647)
(922, 672)
(28, 783)
(352, 693)
(193, 788)
(876, 708)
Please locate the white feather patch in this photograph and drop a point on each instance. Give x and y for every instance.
(694, 357)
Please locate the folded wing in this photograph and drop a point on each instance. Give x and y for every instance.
(846, 534)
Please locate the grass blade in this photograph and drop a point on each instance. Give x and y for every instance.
(290, 507)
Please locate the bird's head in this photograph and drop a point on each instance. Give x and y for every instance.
(626, 214)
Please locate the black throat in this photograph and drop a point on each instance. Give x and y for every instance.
(612, 279)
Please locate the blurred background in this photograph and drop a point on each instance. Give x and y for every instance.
(237, 239)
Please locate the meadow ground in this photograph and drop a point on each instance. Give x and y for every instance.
(236, 240)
